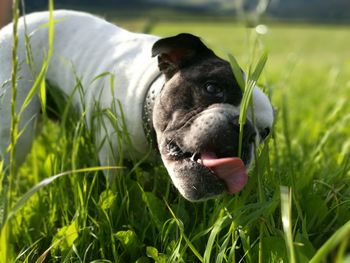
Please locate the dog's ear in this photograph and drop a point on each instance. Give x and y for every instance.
(178, 51)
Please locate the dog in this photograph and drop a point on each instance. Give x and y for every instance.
(173, 92)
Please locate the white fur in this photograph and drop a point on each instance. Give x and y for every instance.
(84, 47)
(263, 111)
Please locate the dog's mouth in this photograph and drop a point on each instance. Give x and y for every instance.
(230, 170)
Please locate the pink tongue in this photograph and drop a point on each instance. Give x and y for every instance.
(231, 170)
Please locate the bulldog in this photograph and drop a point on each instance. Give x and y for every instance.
(136, 90)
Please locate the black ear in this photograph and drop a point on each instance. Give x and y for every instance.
(178, 51)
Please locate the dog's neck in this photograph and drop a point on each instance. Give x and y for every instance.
(147, 114)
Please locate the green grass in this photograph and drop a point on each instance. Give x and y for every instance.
(295, 208)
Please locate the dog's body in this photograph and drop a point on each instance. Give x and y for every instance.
(194, 112)
(84, 47)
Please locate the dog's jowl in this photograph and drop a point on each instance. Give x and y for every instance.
(174, 92)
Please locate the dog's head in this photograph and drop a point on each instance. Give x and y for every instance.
(195, 118)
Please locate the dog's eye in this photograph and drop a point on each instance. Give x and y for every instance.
(264, 133)
(214, 90)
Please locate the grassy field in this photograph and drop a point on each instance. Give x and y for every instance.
(295, 208)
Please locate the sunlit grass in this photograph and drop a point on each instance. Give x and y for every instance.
(295, 207)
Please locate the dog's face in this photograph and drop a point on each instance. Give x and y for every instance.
(195, 118)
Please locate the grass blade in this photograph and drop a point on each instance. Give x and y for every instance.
(251, 81)
(39, 84)
(237, 71)
(286, 210)
(339, 236)
(182, 231)
(48, 181)
(214, 233)
(260, 66)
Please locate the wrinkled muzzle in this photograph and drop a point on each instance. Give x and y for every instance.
(202, 156)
